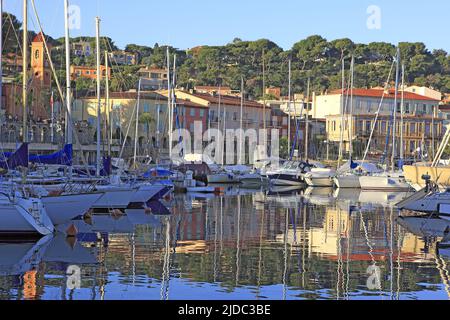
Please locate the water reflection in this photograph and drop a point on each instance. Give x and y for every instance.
(316, 244)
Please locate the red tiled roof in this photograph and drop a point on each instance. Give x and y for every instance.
(212, 88)
(39, 37)
(188, 103)
(228, 100)
(378, 93)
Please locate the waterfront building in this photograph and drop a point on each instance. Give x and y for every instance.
(88, 72)
(153, 119)
(420, 133)
(367, 101)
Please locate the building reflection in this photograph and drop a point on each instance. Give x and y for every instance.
(311, 248)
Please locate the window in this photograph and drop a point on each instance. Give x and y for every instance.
(202, 113)
(412, 128)
(88, 72)
(424, 108)
(234, 115)
(399, 107)
(146, 107)
(383, 127)
(407, 107)
(192, 112)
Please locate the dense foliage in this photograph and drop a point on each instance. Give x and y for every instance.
(314, 57)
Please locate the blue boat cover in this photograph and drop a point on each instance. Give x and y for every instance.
(63, 157)
(16, 159)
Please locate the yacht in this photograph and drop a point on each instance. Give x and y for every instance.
(319, 176)
(289, 174)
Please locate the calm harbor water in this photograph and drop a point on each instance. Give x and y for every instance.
(256, 245)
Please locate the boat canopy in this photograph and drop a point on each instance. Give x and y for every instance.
(16, 159)
(62, 157)
(359, 165)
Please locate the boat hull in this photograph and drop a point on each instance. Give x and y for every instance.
(383, 183)
(24, 217)
(114, 198)
(286, 180)
(318, 181)
(62, 209)
(347, 182)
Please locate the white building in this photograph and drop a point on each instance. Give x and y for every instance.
(424, 91)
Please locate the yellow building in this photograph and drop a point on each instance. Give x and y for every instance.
(418, 132)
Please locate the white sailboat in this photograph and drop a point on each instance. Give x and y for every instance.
(347, 177)
(393, 180)
(20, 216)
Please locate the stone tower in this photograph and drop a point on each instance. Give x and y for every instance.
(39, 63)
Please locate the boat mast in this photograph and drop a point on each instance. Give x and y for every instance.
(341, 127)
(25, 72)
(136, 132)
(169, 104)
(241, 135)
(350, 129)
(69, 130)
(394, 129)
(99, 113)
(307, 121)
(402, 104)
(107, 106)
(220, 143)
(173, 97)
(264, 101)
(1, 52)
(289, 109)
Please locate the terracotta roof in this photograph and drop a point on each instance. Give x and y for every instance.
(378, 93)
(188, 103)
(228, 100)
(39, 37)
(212, 88)
(131, 95)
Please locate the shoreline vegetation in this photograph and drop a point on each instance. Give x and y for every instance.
(314, 57)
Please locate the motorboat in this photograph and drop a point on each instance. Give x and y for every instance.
(320, 177)
(289, 174)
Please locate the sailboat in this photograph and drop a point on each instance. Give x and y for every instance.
(347, 177)
(393, 180)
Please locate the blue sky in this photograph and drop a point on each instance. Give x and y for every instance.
(188, 23)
